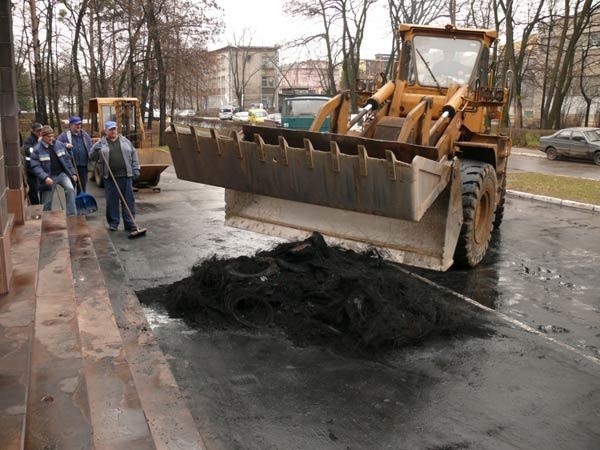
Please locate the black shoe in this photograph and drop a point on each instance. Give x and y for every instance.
(111, 228)
(130, 228)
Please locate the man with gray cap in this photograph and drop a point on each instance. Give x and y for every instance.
(30, 142)
(123, 163)
(52, 166)
(79, 143)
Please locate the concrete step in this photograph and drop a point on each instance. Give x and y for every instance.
(117, 418)
(57, 408)
(82, 394)
(80, 367)
(17, 313)
(170, 421)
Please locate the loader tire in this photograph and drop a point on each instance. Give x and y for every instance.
(499, 213)
(479, 200)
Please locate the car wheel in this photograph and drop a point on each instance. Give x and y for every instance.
(597, 158)
(551, 153)
(98, 176)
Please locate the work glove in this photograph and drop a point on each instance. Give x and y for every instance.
(136, 175)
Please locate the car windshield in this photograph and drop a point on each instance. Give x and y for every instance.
(593, 135)
(303, 106)
(442, 61)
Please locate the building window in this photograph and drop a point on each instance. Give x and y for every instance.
(266, 61)
(268, 82)
(266, 101)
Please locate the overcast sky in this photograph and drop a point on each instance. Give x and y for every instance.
(268, 25)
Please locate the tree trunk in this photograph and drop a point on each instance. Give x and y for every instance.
(41, 113)
(75, 60)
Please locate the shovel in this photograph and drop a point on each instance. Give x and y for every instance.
(85, 203)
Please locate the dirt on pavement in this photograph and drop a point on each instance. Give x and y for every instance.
(353, 303)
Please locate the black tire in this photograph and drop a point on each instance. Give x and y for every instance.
(479, 200)
(597, 158)
(98, 176)
(499, 213)
(551, 153)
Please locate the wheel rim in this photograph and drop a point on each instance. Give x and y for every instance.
(551, 154)
(482, 214)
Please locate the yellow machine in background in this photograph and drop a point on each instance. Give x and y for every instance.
(421, 178)
(125, 111)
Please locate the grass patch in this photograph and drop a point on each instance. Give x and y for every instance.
(566, 188)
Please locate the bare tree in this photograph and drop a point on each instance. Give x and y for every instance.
(589, 70)
(343, 23)
(565, 31)
(41, 113)
(405, 11)
(516, 54)
(328, 15)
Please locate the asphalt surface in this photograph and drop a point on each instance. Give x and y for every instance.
(529, 160)
(531, 382)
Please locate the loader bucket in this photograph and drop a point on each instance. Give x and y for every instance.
(357, 192)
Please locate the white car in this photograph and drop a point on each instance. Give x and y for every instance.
(226, 112)
(241, 116)
(186, 113)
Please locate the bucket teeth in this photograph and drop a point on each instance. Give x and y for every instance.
(335, 156)
(310, 160)
(391, 165)
(362, 160)
(283, 151)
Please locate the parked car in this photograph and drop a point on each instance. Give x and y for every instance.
(241, 116)
(275, 117)
(578, 143)
(257, 115)
(226, 112)
(186, 113)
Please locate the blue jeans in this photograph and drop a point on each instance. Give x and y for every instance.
(66, 183)
(113, 201)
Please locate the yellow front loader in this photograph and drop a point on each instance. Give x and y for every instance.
(422, 178)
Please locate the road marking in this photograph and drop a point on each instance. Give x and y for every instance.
(502, 316)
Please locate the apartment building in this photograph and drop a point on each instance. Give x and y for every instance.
(243, 77)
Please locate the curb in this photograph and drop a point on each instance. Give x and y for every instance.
(532, 155)
(555, 201)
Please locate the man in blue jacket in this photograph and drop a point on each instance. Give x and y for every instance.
(123, 164)
(79, 143)
(52, 166)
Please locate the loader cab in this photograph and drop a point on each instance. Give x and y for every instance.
(125, 111)
(440, 61)
(437, 59)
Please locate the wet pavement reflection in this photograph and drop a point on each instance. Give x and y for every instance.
(249, 389)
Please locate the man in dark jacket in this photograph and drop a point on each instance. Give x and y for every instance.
(30, 142)
(79, 143)
(52, 166)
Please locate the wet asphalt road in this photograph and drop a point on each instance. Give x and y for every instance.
(516, 388)
(536, 161)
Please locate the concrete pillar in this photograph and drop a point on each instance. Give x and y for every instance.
(12, 195)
